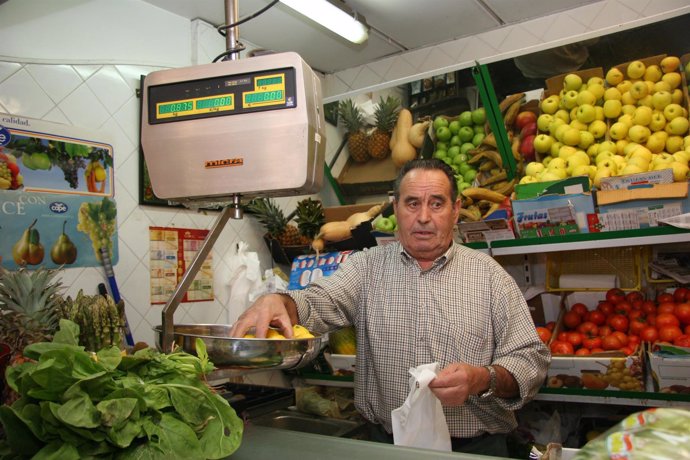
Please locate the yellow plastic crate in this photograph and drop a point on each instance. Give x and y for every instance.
(624, 263)
(647, 256)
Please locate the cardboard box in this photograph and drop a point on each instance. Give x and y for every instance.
(486, 230)
(639, 206)
(552, 215)
(554, 85)
(374, 177)
(610, 370)
(308, 268)
(577, 184)
(662, 176)
(670, 372)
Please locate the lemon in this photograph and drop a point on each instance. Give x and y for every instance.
(99, 174)
(301, 332)
(273, 334)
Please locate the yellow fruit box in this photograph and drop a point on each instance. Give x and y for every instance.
(610, 370)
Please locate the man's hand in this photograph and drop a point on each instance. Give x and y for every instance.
(274, 310)
(454, 384)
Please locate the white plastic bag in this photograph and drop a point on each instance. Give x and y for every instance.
(245, 278)
(271, 283)
(420, 421)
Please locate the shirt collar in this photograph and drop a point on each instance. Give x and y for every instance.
(440, 260)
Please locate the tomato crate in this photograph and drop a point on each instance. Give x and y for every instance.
(568, 271)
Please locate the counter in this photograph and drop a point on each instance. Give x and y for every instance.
(261, 442)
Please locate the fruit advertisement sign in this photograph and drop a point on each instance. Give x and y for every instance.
(38, 156)
(53, 230)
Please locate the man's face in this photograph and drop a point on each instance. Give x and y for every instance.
(425, 213)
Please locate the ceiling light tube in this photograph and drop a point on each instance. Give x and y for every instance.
(331, 17)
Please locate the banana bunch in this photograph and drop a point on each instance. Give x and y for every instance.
(99, 318)
(492, 178)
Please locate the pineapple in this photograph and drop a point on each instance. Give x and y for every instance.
(30, 306)
(386, 114)
(309, 217)
(273, 219)
(356, 137)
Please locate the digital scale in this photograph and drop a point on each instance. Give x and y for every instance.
(214, 133)
(251, 127)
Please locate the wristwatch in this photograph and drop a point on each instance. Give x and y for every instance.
(492, 383)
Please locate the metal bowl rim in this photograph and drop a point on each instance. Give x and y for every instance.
(159, 329)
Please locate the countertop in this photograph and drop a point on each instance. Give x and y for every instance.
(262, 443)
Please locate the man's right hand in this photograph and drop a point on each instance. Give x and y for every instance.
(274, 310)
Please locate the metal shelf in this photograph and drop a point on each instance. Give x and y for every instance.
(621, 398)
(623, 238)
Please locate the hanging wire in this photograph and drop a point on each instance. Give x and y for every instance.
(222, 29)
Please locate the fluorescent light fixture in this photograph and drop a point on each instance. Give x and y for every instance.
(331, 17)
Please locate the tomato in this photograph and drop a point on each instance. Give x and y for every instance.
(627, 350)
(574, 338)
(637, 304)
(682, 312)
(669, 333)
(618, 322)
(588, 329)
(666, 319)
(633, 296)
(649, 306)
(649, 334)
(637, 324)
(634, 341)
(611, 342)
(597, 317)
(544, 334)
(623, 307)
(680, 295)
(605, 307)
(591, 342)
(615, 295)
(622, 337)
(571, 319)
(597, 350)
(559, 347)
(582, 352)
(664, 297)
(551, 325)
(605, 330)
(681, 341)
(666, 307)
(579, 308)
(687, 330)
(562, 336)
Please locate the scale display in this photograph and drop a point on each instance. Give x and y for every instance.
(219, 96)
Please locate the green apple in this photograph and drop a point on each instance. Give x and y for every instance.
(543, 143)
(440, 154)
(465, 118)
(439, 122)
(454, 126)
(443, 133)
(550, 104)
(462, 185)
(479, 116)
(572, 82)
(466, 147)
(479, 129)
(384, 224)
(455, 140)
(442, 145)
(469, 175)
(466, 134)
(585, 113)
(478, 138)
(464, 167)
(453, 151)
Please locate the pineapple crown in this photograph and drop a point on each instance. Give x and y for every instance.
(309, 217)
(351, 115)
(386, 113)
(31, 293)
(269, 214)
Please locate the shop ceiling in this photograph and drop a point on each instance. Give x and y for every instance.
(396, 25)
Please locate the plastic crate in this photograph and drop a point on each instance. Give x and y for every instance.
(624, 263)
(647, 256)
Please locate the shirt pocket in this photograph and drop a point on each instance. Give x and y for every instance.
(458, 344)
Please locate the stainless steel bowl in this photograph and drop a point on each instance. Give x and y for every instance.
(241, 353)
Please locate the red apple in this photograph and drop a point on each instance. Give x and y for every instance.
(523, 118)
(528, 129)
(527, 148)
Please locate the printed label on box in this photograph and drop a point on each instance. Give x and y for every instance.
(307, 268)
(546, 222)
(632, 218)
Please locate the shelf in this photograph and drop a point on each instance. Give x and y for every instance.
(623, 238)
(622, 398)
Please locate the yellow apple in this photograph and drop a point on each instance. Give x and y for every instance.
(585, 113)
(581, 170)
(639, 133)
(657, 141)
(646, 101)
(628, 99)
(528, 180)
(602, 173)
(658, 121)
(586, 96)
(682, 156)
(598, 129)
(570, 99)
(620, 146)
(672, 111)
(677, 96)
(572, 82)
(677, 126)
(661, 86)
(546, 160)
(608, 146)
(556, 163)
(674, 143)
(573, 113)
(577, 159)
(612, 108)
(640, 151)
(612, 93)
(669, 64)
(614, 76)
(603, 155)
(620, 162)
(562, 114)
(595, 81)
(680, 171)
(552, 175)
(686, 141)
(593, 150)
(555, 148)
(624, 86)
(638, 90)
(599, 113)
(627, 119)
(542, 143)
(673, 79)
(577, 124)
(566, 151)
(628, 109)
(550, 104)
(586, 139)
(543, 121)
(560, 130)
(571, 136)
(635, 70)
(642, 116)
(627, 151)
(640, 162)
(533, 168)
(597, 91)
(661, 99)
(631, 169)
(663, 159)
(652, 73)
(554, 125)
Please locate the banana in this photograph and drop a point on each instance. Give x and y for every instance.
(469, 215)
(477, 158)
(495, 157)
(505, 104)
(515, 148)
(490, 140)
(494, 207)
(511, 114)
(487, 165)
(497, 177)
(507, 188)
(480, 193)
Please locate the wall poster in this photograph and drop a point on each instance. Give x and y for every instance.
(172, 251)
